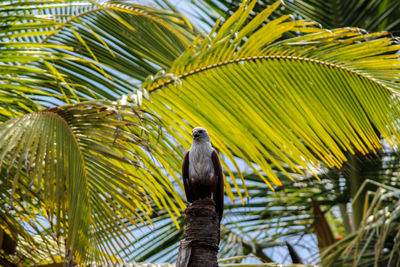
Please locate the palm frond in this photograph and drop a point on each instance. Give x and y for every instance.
(369, 15)
(21, 83)
(94, 50)
(86, 170)
(211, 10)
(123, 45)
(318, 96)
(158, 242)
(377, 240)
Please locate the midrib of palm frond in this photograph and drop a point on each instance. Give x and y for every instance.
(179, 78)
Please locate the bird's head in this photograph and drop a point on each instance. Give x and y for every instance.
(200, 135)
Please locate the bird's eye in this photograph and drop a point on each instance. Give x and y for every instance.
(201, 131)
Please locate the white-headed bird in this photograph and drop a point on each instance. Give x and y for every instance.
(202, 171)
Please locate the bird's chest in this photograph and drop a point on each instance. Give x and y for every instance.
(201, 167)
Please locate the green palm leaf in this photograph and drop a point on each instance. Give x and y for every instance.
(372, 16)
(85, 170)
(106, 50)
(123, 43)
(21, 83)
(318, 96)
(376, 242)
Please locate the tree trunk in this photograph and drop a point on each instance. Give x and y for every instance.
(362, 168)
(200, 248)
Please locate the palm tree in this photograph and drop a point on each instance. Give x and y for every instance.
(283, 106)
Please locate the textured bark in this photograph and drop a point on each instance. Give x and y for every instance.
(200, 248)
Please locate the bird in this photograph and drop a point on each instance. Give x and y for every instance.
(202, 171)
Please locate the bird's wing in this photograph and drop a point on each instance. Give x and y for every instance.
(185, 178)
(219, 199)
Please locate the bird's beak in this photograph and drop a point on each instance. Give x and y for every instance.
(195, 135)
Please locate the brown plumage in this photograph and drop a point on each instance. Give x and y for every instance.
(202, 171)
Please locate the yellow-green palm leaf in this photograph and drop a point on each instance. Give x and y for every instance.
(314, 97)
(81, 173)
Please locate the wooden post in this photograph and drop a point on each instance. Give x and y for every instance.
(200, 248)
